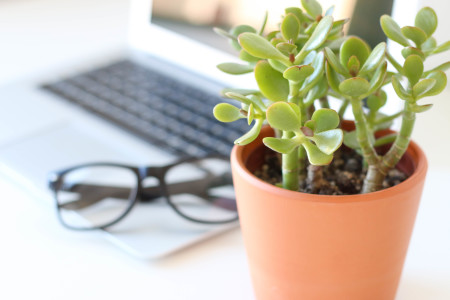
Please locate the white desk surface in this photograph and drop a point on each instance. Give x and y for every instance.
(41, 260)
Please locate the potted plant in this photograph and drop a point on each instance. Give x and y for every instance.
(351, 243)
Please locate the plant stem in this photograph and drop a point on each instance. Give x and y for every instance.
(401, 142)
(324, 102)
(301, 160)
(394, 63)
(363, 133)
(374, 180)
(388, 118)
(342, 109)
(290, 167)
(290, 161)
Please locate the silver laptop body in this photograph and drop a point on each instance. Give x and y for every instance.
(39, 133)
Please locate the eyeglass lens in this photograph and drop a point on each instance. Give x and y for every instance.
(95, 196)
(202, 190)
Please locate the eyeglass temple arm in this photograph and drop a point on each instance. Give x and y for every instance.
(194, 187)
(91, 194)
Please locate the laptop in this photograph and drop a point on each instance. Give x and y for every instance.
(63, 120)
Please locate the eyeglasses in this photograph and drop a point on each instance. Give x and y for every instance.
(99, 195)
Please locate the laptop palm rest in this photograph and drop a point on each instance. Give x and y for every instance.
(150, 230)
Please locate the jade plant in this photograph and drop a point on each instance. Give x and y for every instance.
(306, 62)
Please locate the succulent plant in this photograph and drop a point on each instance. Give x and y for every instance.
(308, 59)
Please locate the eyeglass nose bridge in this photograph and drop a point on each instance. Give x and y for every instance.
(145, 172)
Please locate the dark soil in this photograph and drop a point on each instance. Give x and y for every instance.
(344, 176)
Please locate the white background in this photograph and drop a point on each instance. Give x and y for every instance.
(41, 260)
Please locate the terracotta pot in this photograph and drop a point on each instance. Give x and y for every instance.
(305, 247)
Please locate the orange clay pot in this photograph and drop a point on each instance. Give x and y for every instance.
(316, 247)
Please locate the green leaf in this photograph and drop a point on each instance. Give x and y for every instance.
(393, 31)
(375, 59)
(236, 31)
(312, 7)
(329, 11)
(310, 58)
(250, 114)
(298, 73)
(290, 27)
(315, 156)
(287, 48)
(251, 135)
(429, 44)
(245, 56)
(415, 34)
(271, 82)
(441, 48)
(383, 121)
(243, 92)
(238, 97)
(351, 140)
(225, 112)
(235, 69)
(354, 46)
(224, 33)
(336, 30)
(426, 19)
(353, 65)
(441, 83)
(332, 77)
(263, 24)
(422, 87)
(400, 90)
(311, 125)
(378, 78)
(387, 139)
(276, 65)
(297, 12)
(277, 40)
(376, 101)
(310, 29)
(443, 67)
(258, 103)
(354, 87)
(334, 62)
(407, 51)
(313, 79)
(325, 119)
(329, 141)
(273, 34)
(320, 34)
(421, 108)
(319, 90)
(284, 146)
(284, 116)
(413, 68)
(260, 47)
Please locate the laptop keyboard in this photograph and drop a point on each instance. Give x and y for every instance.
(161, 110)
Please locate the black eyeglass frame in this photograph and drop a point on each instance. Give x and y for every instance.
(142, 172)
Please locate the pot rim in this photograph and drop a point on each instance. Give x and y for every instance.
(414, 151)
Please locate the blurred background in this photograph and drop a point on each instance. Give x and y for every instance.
(41, 35)
(196, 17)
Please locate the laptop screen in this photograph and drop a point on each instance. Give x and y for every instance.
(196, 19)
